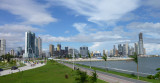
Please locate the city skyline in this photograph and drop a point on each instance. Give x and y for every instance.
(94, 25)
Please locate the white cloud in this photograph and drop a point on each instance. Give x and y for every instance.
(80, 27)
(152, 48)
(29, 10)
(100, 11)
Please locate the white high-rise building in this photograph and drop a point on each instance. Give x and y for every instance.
(29, 45)
(2, 47)
(127, 51)
(12, 52)
(40, 46)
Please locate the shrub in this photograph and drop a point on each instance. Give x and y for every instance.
(133, 75)
(81, 76)
(151, 77)
(93, 78)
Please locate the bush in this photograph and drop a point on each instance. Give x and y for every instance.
(81, 76)
(93, 78)
(151, 77)
(133, 75)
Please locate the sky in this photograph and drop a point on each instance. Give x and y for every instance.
(98, 24)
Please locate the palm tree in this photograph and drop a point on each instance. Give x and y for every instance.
(89, 55)
(135, 59)
(105, 59)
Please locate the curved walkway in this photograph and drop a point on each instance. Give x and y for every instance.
(27, 67)
(111, 78)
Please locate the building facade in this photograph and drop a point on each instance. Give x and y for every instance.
(2, 47)
(30, 50)
(51, 50)
(84, 51)
(141, 49)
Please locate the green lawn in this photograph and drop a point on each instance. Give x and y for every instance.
(50, 73)
(122, 74)
(9, 65)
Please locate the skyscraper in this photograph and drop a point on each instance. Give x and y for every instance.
(136, 46)
(84, 51)
(2, 47)
(40, 46)
(59, 47)
(19, 51)
(12, 52)
(36, 47)
(127, 51)
(51, 49)
(120, 49)
(114, 50)
(141, 49)
(29, 45)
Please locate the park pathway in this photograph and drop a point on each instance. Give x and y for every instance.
(111, 78)
(27, 67)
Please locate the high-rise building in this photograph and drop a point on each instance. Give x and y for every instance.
(114, 50)
(2, 47)
(124, 50)
(144, 51)
(59, 47)
(111, 53)
(36, 47)
(12, 52)
(51, 49)
(29, 45)
(120, 49)
(127, 47)
(19, 51)
(136, 46)
(107, 53)
(84, 51)
(141, 49)
(40, 46)
(104, 52)
(66, 50)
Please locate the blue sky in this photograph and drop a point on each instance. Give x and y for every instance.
(98, 24)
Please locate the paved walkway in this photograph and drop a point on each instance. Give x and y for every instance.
(27, 67)
(111, 78)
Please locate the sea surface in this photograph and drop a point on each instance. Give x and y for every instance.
(147, 65)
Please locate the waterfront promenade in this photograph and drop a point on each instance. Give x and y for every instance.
(95, 59)
(111, 78)
(27, 67)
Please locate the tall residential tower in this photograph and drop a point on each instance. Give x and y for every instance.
(141, 49)
(2, 47)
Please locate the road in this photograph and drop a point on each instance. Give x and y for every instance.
(111, 78)
(27, 67)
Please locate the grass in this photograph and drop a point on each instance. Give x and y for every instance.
(9, 65)
(122, 74)
(50, 73)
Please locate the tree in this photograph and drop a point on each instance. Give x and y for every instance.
(158, 73)
(94, 77)
(135, 59)
(81, 76)
(105, 59)
(80, 55)
(89, 55)
(7, 57)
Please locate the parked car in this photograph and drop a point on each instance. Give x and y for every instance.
(1, 69)
(14, 68)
